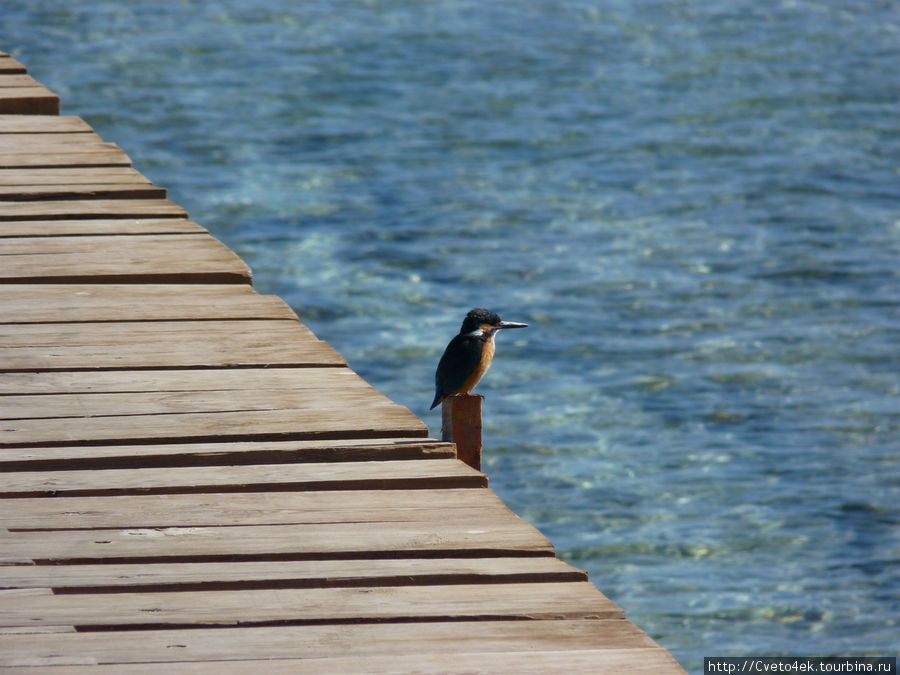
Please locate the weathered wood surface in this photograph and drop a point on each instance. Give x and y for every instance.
(69, 184)
(186, 468)
(306, 375)
(42, 124)
(42, 143)
(33, 100)
(42, 458)
(249, 404)
(646, 661)
(161, 344)
(73, 157)
(207, 415)
(324, 421)
(271, 508)
(107, 226)
(18, 81)
(275, 542)
(175, 577)
(588, 662)
(85, 191)
(141, 404)
(565, 637)
(167, 258)
(572, 600)
(412, 474)
(9, 65)
(66, 209)
(46, 146)
(65, 303)
(76, 176)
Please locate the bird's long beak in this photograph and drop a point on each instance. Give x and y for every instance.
(512, 324)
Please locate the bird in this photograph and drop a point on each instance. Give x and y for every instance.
(469, 354)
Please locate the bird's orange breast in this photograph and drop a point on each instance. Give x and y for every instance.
(487, 355)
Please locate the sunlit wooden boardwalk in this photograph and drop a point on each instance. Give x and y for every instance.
(193, 482)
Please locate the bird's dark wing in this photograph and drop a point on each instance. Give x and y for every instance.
(460, 359)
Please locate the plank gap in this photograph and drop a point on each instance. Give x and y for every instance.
(217, 525)
(68, 235)
(410, 554)
(235, 438)
(416, 483)
(361, 582)
(69, 193)
(94, 216)
(226, 366)
(201, 319)
(102, 628)
(403, 451)
(179, 278)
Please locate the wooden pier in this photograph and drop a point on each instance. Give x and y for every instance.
(193, 482)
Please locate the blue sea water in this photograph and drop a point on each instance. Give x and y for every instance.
(696, 206)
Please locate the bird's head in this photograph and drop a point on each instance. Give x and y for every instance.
(485, 322)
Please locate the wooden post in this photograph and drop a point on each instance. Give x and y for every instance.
(461, 424)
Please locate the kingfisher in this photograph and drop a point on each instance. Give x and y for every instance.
(469, 354)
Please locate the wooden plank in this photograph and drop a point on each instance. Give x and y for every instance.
(36, 630)
(181, 577)
(647, 661)
(99, 226)
(93, 191)
(198, 381)
(75, 176)
(9, 65)
(36, 100)
(29, 142)
(214, 454)
(77, 157)
(508, 537)
(245, 508)
(49, 145)
(323, 642)
(574, 600)
(162, 344)
(330, 420)
(116, 259)
(59, 303)
(18, 80)
(399, 474)
(355, 393)
(91, 208)
(251, 404)
(42, 124)
(638, 661)
(123, 381)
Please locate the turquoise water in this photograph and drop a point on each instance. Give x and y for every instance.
(696, 206)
